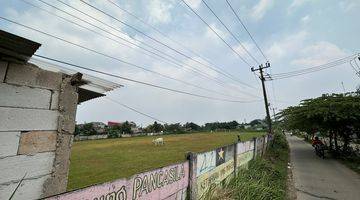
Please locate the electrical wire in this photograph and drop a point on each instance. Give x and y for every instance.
(103, 54)
(142, 82)
(164, 35)
(357, 71)
(221, 38)
(172, 57)
(246, 29)
(312, 69)
(168, 60)
(231, 33)
(341, 60)
(135, 110)
(156, 40)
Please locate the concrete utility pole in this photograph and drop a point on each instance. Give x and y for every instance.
(262, 78)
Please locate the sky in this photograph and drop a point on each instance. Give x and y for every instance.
(293, 34)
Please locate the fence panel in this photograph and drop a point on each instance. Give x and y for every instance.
(259, 146)
(212, 168)
(245, 153)
(164, 183)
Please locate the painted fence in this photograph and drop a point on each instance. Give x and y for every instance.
(210, 169)
(168, 183)
(196, 176)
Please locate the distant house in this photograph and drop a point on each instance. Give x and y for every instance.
(247, 126)
(136, 129)
(112, 124)
(99, 127)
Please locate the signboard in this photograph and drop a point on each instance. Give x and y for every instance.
(209, 160)
(164, 183)
(243, 159)
(245, 153)
(259, 146)
(214, 177)
(244, 147)
(205, 162)
(213, 167)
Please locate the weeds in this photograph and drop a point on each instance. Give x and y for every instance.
(265, 177)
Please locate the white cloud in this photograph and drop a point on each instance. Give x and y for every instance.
(248, 46)
(260, 9)
(288, 46)
(160, 11)
(348, 5)
(319, 53)
(296, 4)
(193, 3)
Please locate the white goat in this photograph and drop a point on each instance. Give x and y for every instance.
(158, 141)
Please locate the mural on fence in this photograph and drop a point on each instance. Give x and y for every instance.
(245, 153)
(213, 167)
(164, 183)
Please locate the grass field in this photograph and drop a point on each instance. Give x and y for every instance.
(98, 161)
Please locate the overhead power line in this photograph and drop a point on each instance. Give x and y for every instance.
(217, 34)
(145, 44)
(311, 69)
(135, 110)
(141, 82)
(164, 35)
(104, 54)
(231, 33)
(246, 29)
(157, 41)
(357, 68)
(140, 47)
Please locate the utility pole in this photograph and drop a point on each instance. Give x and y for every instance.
(262, 78)
(343, 87)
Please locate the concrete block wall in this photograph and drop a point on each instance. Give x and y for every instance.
(37, 120)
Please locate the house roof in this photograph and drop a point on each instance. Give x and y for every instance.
(19, 49)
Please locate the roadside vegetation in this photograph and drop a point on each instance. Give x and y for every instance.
(98, 161)
(333, 117)
(265, 178)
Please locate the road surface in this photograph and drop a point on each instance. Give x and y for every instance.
(316, 178)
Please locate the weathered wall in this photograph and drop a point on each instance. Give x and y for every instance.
(163, 184)
(90, 137)
(211, 168)
(195, 177)
(37, 116)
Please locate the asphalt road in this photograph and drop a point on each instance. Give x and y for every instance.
(317, 178)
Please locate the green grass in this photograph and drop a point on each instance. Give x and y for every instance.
(98, 161)
(266, 178)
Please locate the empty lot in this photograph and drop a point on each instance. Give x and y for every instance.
(98, 161)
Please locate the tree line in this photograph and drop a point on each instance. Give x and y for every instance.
(332, 116)
(156, 127)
